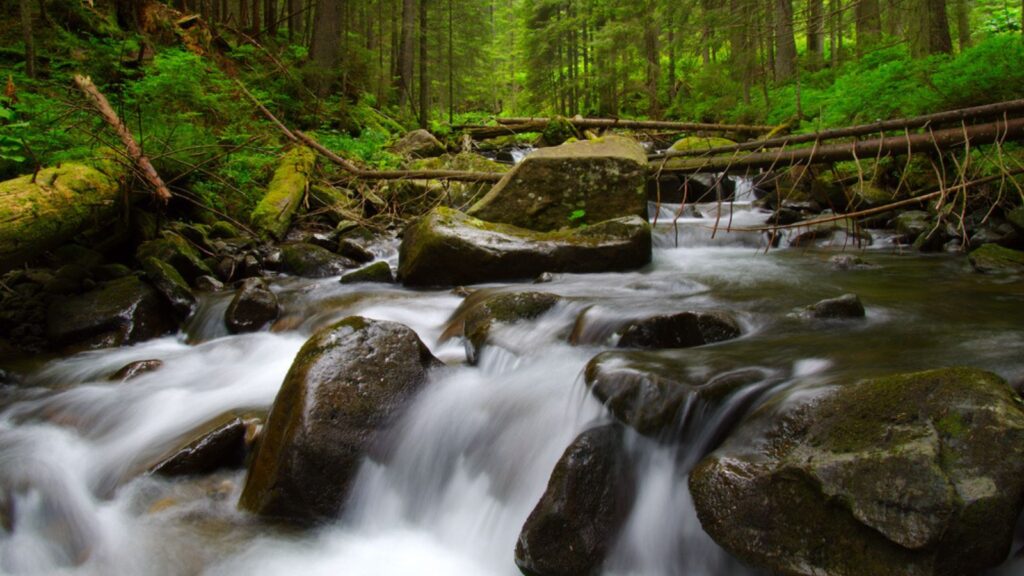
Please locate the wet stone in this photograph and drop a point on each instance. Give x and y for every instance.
(135, 369)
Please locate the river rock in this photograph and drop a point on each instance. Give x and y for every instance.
(418, 144)
(682, 330)
(378, 272)
(135, 369)
(448, 248)
(171, 286)
(656, 396)
(913, 474)
(481, 311)
(845, 306)
(312, 261)
(123, 311)
(588, 498)
(1016, 219)
(344, 390)
(219, 443)
(177, 252)
(581, 182)
(253, 307)
(354, 251)
(994, 259)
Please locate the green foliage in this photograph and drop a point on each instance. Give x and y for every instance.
(368, 147)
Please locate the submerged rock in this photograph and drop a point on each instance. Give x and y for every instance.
(448, 248)
(581, 182)
(913, 474)
(344, 390)
(135, 369)
(123, 311)
(994, 259)
(312, 261)
(378, 272)
(656, 396)
(588, 498)
(682, 330)
(220, 443)
(845, 306)
(479, 315)
(354, 251)
(253, 307)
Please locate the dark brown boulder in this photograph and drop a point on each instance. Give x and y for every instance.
(682, 330)
(253, 307)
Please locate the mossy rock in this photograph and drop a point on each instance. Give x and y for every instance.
(587, 500)
(481, 311)
(124, 311)
(42, 211)
(845, 306)
(171, 286)
(577, 183)
(312, 261)
(379, 272)
(914, 474)
(418, 144)
(414, 197)
(176, 251)
(273, 215)
(558, 131)
(346, 387)
(447, 247)
(1016, 219)
(995, 259)
(700, 143)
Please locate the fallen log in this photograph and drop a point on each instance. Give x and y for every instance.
(963, 115)
(273, 215)
(146, 168)
(42, 211)
(591, 123)
(878, 147)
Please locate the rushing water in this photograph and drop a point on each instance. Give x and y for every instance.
(473, 453)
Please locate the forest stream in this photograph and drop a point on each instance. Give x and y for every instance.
(473, 452)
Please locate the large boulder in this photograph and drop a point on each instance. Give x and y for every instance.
(124, 311)
(342, 393)
(588, 497)
(418, 144)
(681, 330)
(658, 396)
(446, 248)
(913, 474)
(580, 182)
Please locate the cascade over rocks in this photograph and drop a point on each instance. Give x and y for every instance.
(581, 182)
(656, 395)
(219, 443)
(588, 498)
(344, 390)
(478, 314)
(913, 474)
(448, 248)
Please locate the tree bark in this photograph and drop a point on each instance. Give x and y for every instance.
(868, 22)
(325, 53)
(424, 78)
(893, 146)
(25, 7)
(816, 33)
(963, 23)
(928, 28)
(652, 57)
(785, 43)
(146, 169)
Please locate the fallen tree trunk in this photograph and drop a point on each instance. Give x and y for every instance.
(146, 168)
(273, 215)
(962, 115)
(589, 123)
(42, 211)
(867, 149)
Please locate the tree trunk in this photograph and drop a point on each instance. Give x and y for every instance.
(451, 68)
(816, 33)
(928, 28)
(406, 53)
(270, 12)
(25, 7)
(868, 23)
(652, 57)
(963, 23)
(785, 44)
(424, 78)
(325, 53)
(256, 26)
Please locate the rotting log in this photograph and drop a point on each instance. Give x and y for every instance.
(867, 149)
(591, 123)
(1010, 108)
(146, 169)
(43, 211)
(273, 215)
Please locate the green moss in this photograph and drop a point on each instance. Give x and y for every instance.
(273, 214)
(992, 258)
(701, 143)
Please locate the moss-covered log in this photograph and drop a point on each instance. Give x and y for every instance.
(273, 215)
(40, 214)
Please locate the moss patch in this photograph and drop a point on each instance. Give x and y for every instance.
(273, 215)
